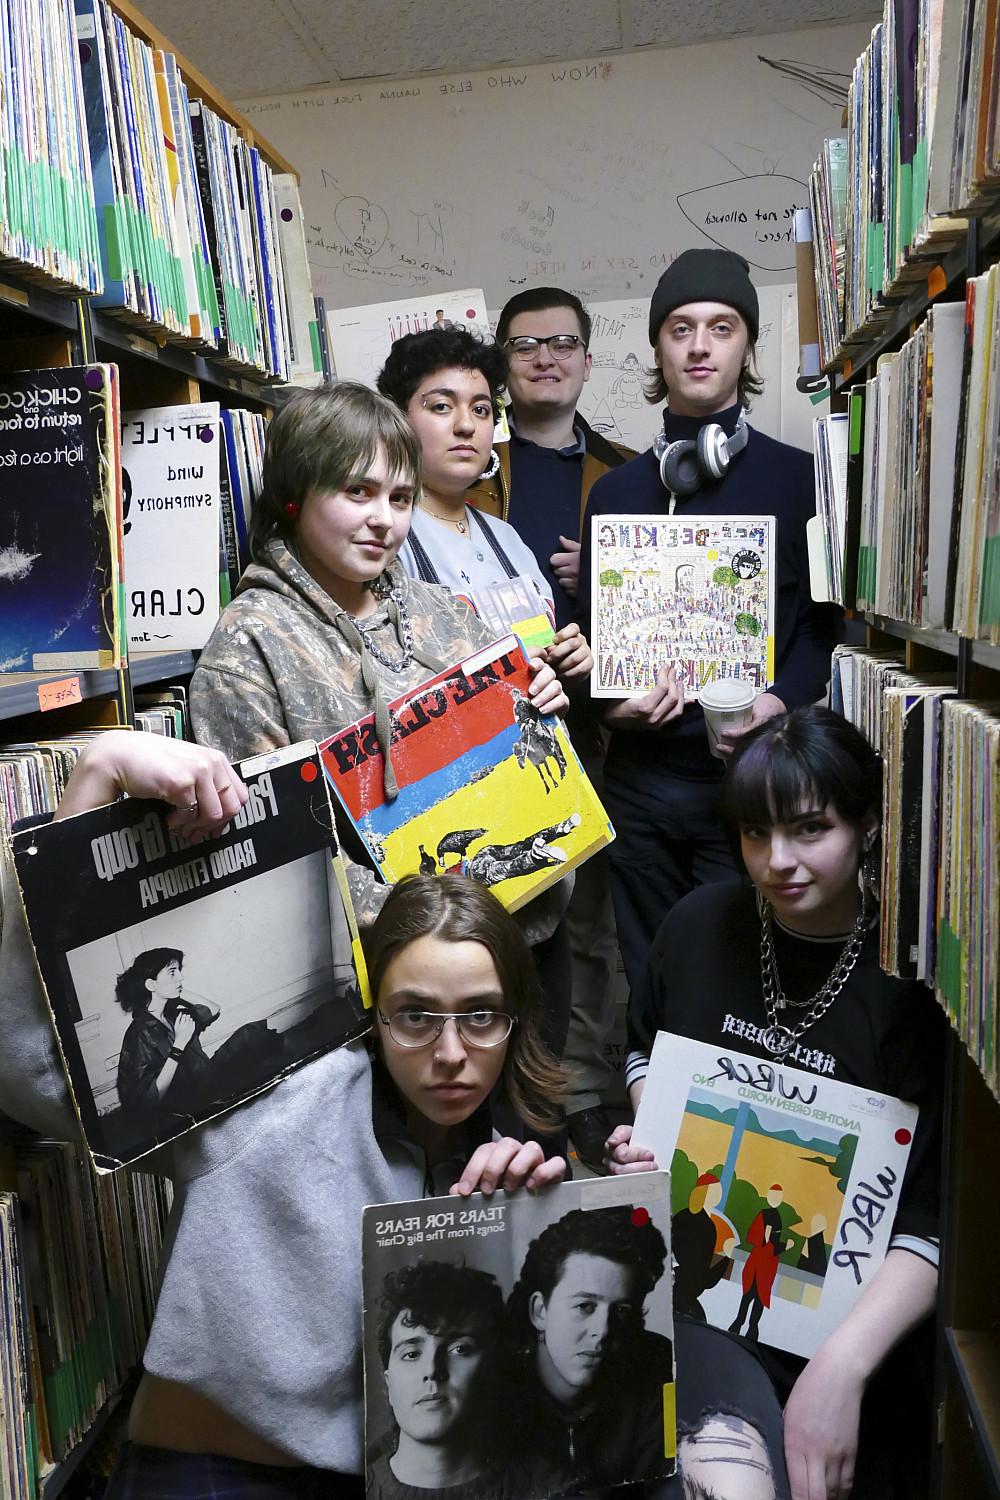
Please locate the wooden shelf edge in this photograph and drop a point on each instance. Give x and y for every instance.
(974, 1358)
(945, 641)
(19, 690)
(117, 334)
(146, 667)
(905, 309)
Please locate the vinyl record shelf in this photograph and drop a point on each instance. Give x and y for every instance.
(966, 1459)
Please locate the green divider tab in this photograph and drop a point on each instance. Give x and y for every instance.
(855, 410)
(949, 967)
(989, 597)
(905, 229)
(317, 353)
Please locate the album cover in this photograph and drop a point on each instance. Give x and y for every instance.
(184, 978)
(520, 1344)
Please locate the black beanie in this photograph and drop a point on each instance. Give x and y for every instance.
(705, 276)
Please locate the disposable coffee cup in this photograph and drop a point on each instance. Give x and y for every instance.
(726, 704)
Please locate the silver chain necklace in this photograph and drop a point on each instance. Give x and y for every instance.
(383, 588)
(778, 1038)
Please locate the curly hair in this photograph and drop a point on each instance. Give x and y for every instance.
(459, 910)
(320, 440)
(610, 1233)
(130, 987)
(807, 758)
(438, 1295)
(417, 355)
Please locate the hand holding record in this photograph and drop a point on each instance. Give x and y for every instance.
(199, 783)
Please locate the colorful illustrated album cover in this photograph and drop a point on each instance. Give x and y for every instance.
(184, 978)
(784, 1188)
(488, 787)
(552, 1308)
(59, 517)
(692, 592)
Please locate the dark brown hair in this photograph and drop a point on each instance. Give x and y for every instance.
(322, 439)
(543, 299)
(458, 910)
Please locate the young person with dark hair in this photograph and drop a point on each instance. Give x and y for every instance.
(449, 385)
(251, 1384)
(787, 969)
(162, 1061)
(586, 1376)
(661, 781)
(544, 480)
(439, 1327)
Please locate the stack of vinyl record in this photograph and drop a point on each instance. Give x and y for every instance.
(47, 219)
(79, 1259)
(192, 239)
(923, 148)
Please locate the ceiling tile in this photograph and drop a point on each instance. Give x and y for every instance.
(402, 38)
(677, 23)
(244, 46)
(252, 48)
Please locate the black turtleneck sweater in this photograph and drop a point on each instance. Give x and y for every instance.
(767, 478)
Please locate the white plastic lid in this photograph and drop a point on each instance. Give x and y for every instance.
(727, 693)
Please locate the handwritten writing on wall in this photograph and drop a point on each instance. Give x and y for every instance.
(586, 173)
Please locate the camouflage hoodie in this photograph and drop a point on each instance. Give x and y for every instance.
(285, 663)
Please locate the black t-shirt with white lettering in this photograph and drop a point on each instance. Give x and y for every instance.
(704, 982)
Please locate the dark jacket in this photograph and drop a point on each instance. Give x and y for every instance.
(493, 495)
(617, 1434)
(768, 478)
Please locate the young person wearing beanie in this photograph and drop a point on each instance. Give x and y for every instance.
(661, 782)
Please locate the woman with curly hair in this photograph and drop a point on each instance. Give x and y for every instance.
(448, 384)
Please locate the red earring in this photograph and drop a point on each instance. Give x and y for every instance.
(292, 509)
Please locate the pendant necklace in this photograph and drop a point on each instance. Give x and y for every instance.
(448, 520)
(778, 1037)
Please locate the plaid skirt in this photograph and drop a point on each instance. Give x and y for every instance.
(163, 1474)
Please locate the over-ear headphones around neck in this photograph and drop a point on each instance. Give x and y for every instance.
(687, 463)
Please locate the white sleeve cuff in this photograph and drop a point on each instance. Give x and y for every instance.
(636, 1068)
(928, 1250)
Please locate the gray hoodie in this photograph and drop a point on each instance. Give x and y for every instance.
(260, 1303)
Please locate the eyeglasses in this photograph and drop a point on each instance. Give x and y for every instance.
(419, 1028)
(559, 345)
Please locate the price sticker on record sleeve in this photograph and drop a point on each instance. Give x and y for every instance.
(59, 694)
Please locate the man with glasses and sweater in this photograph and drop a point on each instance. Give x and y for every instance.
(546, 474)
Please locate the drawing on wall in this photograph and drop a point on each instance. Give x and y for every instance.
(560, 203)
(761, 229)
(612, 400)
(830, 85)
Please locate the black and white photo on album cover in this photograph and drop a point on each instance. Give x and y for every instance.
(520, 1346)
(183, 978)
